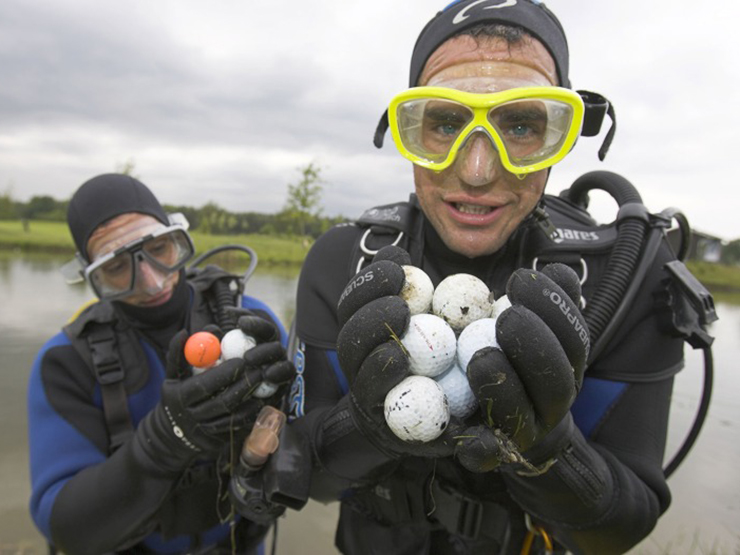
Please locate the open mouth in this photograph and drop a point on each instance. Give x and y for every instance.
(474, 209)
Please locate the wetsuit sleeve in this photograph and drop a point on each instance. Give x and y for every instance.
(83, 501)
(607, 489)
(341, 455)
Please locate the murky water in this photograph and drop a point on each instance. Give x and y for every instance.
(706, 489)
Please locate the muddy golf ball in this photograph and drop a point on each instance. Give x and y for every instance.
(479, 334)
(417, 290)
(416, 409)
(460, 397)
(461, 299)
(202, 349)
(235, 343)
(430, 344)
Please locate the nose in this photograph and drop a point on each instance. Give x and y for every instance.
(477, 161)
(149, 280)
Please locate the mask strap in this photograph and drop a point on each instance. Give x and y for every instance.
(596, 106)
(380, 130)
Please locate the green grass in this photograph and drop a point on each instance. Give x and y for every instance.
(719, 278)
(54, 237)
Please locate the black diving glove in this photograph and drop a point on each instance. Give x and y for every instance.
(373, 318)
(202, 413)
(526, 388)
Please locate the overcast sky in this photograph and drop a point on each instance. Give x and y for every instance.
(224, 100)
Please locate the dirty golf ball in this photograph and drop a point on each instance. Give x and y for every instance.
(417, 290)
(416, 409)
(430, 344)
(479, 334)
(461, 299)
(235, 343)
(202, 349)
(456, 387)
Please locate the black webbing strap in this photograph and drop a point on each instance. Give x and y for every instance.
(109, 373)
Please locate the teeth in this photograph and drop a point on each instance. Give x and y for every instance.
(473, 208)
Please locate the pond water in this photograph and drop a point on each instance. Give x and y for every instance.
(706, 488)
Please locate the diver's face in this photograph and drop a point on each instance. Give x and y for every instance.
(152, 286)
(476, 204)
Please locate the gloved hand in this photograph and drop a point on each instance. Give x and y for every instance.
(202, 413)
(373, 318)
(275, 368)
(525, 389)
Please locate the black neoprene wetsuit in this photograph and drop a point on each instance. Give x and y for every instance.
(603, 495)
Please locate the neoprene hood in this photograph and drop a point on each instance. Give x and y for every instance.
(104, 197)
(532, 16)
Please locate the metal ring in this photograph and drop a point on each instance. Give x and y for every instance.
(584, 267)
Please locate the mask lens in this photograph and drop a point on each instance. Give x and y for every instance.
(428, 127)
(168, 251)
(115, 276)
(532, 130)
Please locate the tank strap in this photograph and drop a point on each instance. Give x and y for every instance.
(437, 504)
(108, 370)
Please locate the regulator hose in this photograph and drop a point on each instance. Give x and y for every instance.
(224, 295)
(632, 224)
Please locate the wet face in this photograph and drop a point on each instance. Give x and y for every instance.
(476, 204)
(152, 287)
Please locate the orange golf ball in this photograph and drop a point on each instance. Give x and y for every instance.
(202, 349)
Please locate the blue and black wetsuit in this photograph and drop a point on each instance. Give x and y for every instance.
(607, 489)
(87, 499)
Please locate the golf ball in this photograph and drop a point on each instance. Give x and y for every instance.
(501, 304)
(430, 344)
(460, 397)
(416, 409)
(235, 343)
(461, 299)
(479, 334)
(264, 390)
(202, 349)
(417, 290)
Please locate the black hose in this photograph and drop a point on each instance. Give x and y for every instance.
(701, 415)
(632, 229)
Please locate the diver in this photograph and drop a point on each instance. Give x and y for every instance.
(567, 448)
(130, 450)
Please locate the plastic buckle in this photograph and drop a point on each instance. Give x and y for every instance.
(461, 514)
(105, 359)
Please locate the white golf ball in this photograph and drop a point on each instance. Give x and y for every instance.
(460, 397)
(479, 334)
(417, 409)
(430, 343)
(417, 290)
(235, 343)
(461, 299)
(265, 390)
(501, 304)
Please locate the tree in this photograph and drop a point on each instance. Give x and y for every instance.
(304, 197)
(127, 168)
(731, 253)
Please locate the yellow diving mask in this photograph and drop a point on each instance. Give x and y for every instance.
(531, 128)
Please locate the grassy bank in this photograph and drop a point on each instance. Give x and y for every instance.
(54, 237)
